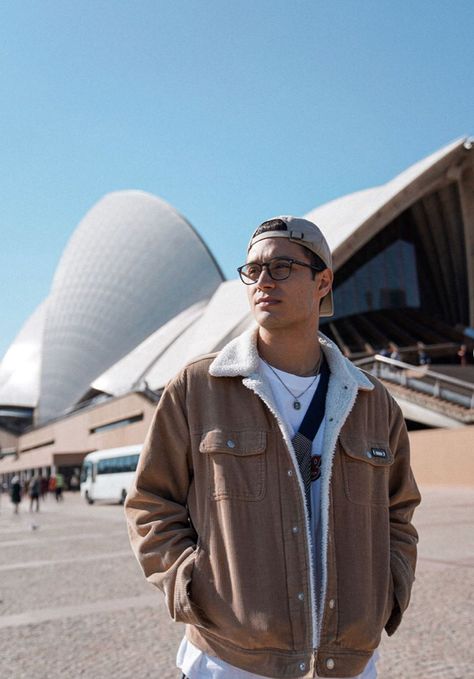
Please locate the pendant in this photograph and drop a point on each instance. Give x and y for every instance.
(296, 405)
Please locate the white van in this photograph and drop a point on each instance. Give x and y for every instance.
(108, 474)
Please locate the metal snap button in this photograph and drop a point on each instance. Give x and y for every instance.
(230, 444)
(295, 529)
(290, 472)
(332, 603)
(330, 664)
(301, 596)
(302, 666)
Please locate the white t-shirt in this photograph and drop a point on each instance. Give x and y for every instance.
(193, 662)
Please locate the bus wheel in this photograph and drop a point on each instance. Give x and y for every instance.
(88, 498)
(123, 496)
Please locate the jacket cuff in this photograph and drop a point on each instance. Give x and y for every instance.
(185, 610)
(402, 584)
(182, 610)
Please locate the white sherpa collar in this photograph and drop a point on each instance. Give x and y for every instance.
(240, 357)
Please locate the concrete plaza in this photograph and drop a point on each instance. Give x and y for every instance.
(73, 601)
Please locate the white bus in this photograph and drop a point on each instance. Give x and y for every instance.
(107, 474)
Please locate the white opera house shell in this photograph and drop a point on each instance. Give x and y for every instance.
(131, 265)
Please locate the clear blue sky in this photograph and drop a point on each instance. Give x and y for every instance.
(232, 111)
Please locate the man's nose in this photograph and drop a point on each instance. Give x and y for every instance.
(265, 280)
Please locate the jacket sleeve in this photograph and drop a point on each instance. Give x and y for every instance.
(160, 531)
(404, 498)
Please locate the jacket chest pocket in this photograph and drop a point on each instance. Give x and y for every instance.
(236, 464)
(365, 468)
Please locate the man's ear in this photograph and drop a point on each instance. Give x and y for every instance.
(325, 281)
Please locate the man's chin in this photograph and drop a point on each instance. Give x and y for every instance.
(267, 320)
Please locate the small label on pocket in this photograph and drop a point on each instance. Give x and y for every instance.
(379, 452)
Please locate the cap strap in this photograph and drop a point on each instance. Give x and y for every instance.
(296, 235)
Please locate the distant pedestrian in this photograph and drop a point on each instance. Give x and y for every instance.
(52, 484)
(394, 354)
(59, 487)
(74, 483)
(15, 492)
(34, 491)
(462, 354)
(44, 487)
(422, 356)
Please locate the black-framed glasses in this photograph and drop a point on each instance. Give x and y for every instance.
(279, 268)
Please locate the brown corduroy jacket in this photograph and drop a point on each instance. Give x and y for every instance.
(218, 522)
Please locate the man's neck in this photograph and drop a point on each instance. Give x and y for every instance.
(298, 356)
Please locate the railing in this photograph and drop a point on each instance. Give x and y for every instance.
(441, 349)
(421, 379)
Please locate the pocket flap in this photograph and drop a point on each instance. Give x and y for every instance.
(366, 450)
(233, 442)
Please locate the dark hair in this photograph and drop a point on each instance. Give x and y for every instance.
(270, 225)
(280, 225)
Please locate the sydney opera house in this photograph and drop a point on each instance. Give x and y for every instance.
(137, 294)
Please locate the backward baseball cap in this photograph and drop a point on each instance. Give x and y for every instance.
(305, 233)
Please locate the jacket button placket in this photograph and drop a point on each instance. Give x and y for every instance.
(295, 536)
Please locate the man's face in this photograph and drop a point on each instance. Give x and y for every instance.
(291, 302)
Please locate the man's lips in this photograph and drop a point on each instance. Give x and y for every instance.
(266, 301)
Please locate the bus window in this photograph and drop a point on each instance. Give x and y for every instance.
(117, 465)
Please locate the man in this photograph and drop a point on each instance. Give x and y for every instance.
(285, 546)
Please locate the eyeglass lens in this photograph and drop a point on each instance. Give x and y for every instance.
(279, 269)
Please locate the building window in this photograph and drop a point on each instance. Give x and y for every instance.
(116, 424)
(388, 281)
(38, 445)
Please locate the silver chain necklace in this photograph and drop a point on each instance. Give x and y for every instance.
(296, 397)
